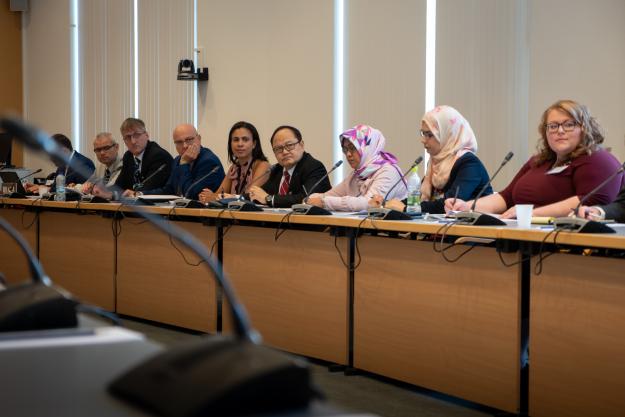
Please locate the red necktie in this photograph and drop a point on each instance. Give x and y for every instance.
(284, 187)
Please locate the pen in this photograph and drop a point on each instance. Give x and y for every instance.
(455, 197)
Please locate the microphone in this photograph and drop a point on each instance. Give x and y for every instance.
(185, 201)
(581, 225)
(139, 186)
(32, 173)
(388, 214)
(243, 204)
(309, 209)
(264, 174)
(221, 373)
(475, 218)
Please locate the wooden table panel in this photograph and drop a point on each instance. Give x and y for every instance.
(13, 262)
(451, 327)
(295, 290)
(154, 282)
(577, 347)
(78, 253)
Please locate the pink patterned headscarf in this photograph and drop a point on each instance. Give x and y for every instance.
(369, 144)
(456, 137)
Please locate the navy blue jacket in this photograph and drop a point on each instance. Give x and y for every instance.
(469, 174)
(72, 176)
(184, 176)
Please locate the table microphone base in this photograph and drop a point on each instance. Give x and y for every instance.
(309, 209)
(217, 376)
(243, 206)
(381, 213)
(475, 218)
(187, 203)
(579, 225)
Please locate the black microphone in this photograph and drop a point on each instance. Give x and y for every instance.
(389, 214)
(480, 219)
(196, 182)
(264, 174)
(305, 208)
(260, 379)
(403, 177)
(581, 225)
(139, 186)
(185, 201)
(32, 173)
(244, 203)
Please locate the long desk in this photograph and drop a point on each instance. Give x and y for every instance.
(404, 312)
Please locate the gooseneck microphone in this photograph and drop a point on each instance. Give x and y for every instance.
(217, 369)
(305, 208)
(139, 186)
(480, 219)
(185, 201)
(389, 214)
(402, 178)
(581, 225)
(31, 174)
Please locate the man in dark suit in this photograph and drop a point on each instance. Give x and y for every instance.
(296, 173)
(195, 167)
(145, 165)
(77, 172)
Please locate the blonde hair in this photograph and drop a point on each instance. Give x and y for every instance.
(592, 133)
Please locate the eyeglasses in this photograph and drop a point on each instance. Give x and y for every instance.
(426, 134)
(288, 147)
(188, 141)
(349, 148)
(103, 148)
(567, 126)
(134, 135)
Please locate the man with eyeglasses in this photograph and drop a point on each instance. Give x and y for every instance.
(145, 165)
(195, 167)
(107, 152)
(295, 175)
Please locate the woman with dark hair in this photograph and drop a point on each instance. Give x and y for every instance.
(569, 163)
(249, 163)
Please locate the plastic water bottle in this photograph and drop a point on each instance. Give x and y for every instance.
(60, 188)
(414, 193)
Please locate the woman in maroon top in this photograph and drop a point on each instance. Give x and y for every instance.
(570, 162)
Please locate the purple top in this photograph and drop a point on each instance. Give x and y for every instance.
(533, 185)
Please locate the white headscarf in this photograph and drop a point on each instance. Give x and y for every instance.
(456, 137)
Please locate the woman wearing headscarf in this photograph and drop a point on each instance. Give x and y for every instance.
(454, 170)
(374, 172)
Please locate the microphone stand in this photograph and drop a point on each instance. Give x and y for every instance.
(580, 225)
(309, 209)
(246, 205)
(475, 218)
(185, 201)
(383, 213)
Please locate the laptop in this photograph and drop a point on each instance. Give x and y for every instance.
(10, 176)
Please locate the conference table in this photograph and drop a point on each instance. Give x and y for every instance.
(387, 297)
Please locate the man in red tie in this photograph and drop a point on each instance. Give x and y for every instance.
(295, 175)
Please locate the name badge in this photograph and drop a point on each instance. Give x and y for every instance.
(557, 170)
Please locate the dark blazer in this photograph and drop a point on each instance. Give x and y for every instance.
(307, 172)
(184, 176)
(616, 209)
(153, 157)
(72, 176)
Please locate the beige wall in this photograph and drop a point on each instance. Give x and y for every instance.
(11, 68)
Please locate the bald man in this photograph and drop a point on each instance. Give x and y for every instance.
(191, 169)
